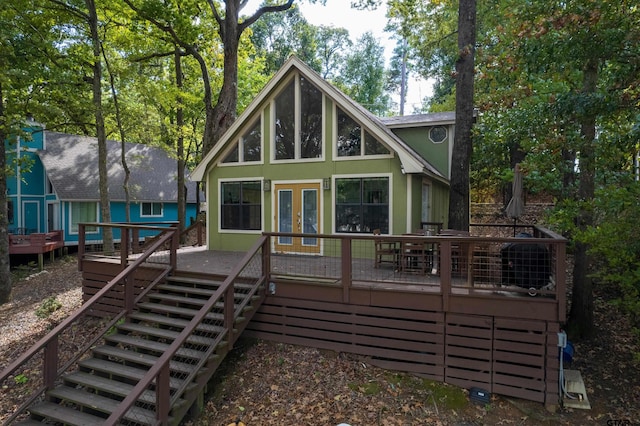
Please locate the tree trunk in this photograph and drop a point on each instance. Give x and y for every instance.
(107, 234)
(123, 151)
(224, 113)
(5, 262)
(463, 145)
(180, 145)
(581, 315)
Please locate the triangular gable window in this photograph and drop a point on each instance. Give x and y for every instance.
(248, 148)
(350, 137)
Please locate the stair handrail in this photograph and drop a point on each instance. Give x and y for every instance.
(160, 369)
(52, 337)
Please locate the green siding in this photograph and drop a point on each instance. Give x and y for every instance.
(437, 154)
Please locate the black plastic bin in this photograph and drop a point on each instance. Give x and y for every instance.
(525, 265)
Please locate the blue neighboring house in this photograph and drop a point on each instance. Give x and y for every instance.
(60, 188)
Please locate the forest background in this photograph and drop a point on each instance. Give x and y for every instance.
(557, 90)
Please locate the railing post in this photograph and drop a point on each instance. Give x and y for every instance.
(163, 395)
(266, 260)
(124, 252)
(346, 268)
(81, 245)
(175, 243)
(199, 231)
(50, 367)
(445, 273)
(561, 279)
(135, 240)
(229, 313)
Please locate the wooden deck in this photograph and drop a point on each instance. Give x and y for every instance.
(36, 243)
(469, 316)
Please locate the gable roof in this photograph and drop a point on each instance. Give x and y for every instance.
(411, 161)
(71, 163)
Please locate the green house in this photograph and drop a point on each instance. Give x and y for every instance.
(305, 158)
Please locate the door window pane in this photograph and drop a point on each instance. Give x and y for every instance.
(310, 215)
(285, 215)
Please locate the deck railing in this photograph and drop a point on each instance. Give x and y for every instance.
(250, 272)
(62, 340)
(531, 266)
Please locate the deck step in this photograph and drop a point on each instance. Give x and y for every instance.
(102, 384)
(140, 358)
(174, 310)
(114, 369)
(64, 415)
(152, 345)
(205, 282)
(174, 322)
(164, 333)
(102, 404)
(207, 292)
(163, 297)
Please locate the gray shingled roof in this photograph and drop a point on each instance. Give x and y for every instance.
(71, 162)
(420, 119)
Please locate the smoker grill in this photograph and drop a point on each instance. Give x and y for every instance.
(525, 265)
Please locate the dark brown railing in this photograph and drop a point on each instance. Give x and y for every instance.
(462, 265)
(250, 270)
(49, 344)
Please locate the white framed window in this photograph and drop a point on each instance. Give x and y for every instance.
(248, 148)
(151, 209)
(362, 204)
(82, 212)
(298, 122)
(438, 134)
(353, 140)
(241, 205)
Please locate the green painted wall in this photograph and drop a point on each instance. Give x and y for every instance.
(436, 153)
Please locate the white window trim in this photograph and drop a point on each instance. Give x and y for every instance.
(358, 176)
(142, 203)
(70, 218)
(238, 142)
(362, 155)
(262, 209)
(297, 122)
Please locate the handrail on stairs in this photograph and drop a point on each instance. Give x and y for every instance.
(160, 370)
(50, 342)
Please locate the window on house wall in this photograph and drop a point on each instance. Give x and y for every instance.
(81, 212)
(248, 147)
(362, 204)
(298, 121)
(150, 209)
(350, 137)
(241, 205)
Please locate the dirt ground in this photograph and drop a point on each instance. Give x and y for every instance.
(264, 383)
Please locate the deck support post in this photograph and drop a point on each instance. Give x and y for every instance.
(445, 273)
(346, 269)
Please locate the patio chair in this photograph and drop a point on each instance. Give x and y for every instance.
(416, 256)
(460, 252)
(386, 251)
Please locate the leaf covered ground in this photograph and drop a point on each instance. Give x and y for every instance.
(263, 383)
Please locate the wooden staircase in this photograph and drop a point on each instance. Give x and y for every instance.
(91, 393)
